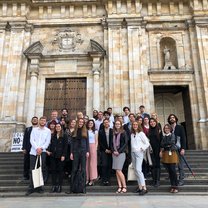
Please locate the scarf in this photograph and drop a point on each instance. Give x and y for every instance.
(116, 141)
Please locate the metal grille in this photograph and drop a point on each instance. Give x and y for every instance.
(67, 93)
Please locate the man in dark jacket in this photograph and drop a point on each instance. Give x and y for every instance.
(179, 132)
(105, 138)
(26, 147)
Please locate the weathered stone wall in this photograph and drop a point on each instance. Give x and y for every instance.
(129, 30)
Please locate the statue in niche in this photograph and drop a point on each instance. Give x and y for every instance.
(167, 54)
(168, 63)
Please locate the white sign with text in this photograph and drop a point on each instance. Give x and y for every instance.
(17, 142)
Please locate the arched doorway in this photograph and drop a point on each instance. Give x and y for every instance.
(175, 99)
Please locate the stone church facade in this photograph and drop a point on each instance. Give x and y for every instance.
(126, 52)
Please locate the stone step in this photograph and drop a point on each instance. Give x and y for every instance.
(97, 194)
(5, 176)
(11, 168)
(163, 181)
(111, 189)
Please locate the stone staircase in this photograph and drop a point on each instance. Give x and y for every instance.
(11, 168)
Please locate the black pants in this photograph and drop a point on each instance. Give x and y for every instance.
(106, 161)
(26, 172)
(68, 166)
(155, 166)
(79, 163)
(32, 166)
(57, 170)
(172, 174)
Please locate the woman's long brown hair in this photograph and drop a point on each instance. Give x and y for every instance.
(84, 129)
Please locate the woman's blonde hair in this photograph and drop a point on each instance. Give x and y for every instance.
(139, 129)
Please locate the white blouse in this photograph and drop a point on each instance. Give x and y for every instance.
(139, 142)
(92, 136)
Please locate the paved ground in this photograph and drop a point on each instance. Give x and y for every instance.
(107, 201)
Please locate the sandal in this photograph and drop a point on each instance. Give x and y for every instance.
(175, 191)
(124, 190)
(171, 190)
(90, 183)
(119, 190)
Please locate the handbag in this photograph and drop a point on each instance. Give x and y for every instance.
(37, 175)
(131, 173)
(78, 184)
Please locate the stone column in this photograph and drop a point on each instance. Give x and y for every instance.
(96, 56)
(34, 54)
(34, 72)
(198, 103)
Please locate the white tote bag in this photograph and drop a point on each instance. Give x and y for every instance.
(37, 175)
(131, 173)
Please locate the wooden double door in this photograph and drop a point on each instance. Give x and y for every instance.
(67, 93)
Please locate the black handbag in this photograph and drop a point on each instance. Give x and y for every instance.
(78, 184)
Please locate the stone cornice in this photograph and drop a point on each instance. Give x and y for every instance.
(16, 26)
(63, 1)
(200, 21)
(176, 71)
(166, 25)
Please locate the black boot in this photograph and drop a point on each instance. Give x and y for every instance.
(53, 189)
(153, 177)
(59, 189)
(157, 177)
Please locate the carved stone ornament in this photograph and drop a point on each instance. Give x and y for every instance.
(67, 40)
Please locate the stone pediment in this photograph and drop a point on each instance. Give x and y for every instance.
(97, 47)
(35, 50)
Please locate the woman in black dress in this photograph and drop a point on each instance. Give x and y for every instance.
(79, 154)
(155, 139)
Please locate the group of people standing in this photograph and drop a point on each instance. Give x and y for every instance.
(88, 149)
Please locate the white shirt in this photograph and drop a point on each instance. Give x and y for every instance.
(111, 124)
(92, 136)
(97, 124)
(111, 118)
(139, 141)
(39, 138)
(126, 119)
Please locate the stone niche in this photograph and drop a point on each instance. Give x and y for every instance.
(168, 53)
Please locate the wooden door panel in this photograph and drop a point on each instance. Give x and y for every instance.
(67, 93)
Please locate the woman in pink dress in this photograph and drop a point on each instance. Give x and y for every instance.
(91, 165)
